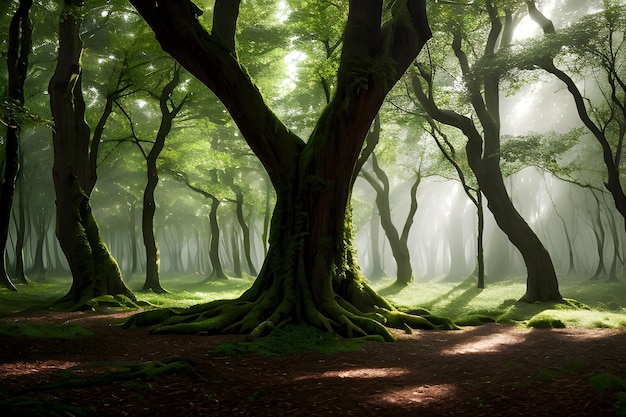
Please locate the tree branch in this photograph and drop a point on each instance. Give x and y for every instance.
(204, 55)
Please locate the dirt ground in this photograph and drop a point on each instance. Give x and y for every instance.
(491, 370)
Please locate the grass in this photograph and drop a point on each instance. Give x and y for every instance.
(589, 304)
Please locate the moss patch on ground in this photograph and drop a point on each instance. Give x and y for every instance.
(294, 338)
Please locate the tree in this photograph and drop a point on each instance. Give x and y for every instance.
(169, 110)
(217, 273)
(379, 181)
(599, 39)
(310, 272)
(483, 82)
(94, 271)
(19, 48)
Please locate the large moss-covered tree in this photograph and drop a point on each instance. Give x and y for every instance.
(310, 273)
(94, 270)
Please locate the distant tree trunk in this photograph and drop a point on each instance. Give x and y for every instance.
(480, 240)
(94, 271)
(40, 221)
(600, 235)
(217, 273)
(377, 271)
(399, 247)
(133, 239)
(474, 195)
(235, 252)
(267, 215)
(19, 47)
(245, 229)
(380, 183)
(20, 275)
(153, 281)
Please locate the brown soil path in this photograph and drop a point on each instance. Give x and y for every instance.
(491, 370)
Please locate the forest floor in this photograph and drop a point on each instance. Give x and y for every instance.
(490, 370)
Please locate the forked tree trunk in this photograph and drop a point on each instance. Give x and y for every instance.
(94, 271)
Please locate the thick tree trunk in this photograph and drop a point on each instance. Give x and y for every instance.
(94, 271)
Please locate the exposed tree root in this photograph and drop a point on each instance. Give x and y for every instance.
(262, 317)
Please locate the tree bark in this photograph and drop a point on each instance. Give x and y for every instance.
(19, 48)
(310, 273)
(94, 271)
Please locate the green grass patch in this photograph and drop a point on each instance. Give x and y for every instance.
(294, 338)
(588, 304)
(187, 291)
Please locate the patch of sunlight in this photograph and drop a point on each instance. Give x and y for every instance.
(423, 394)
(457, 300)
(22, 368)
(185, 291)
(579, 318)
(361, 373)
(489, 343)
